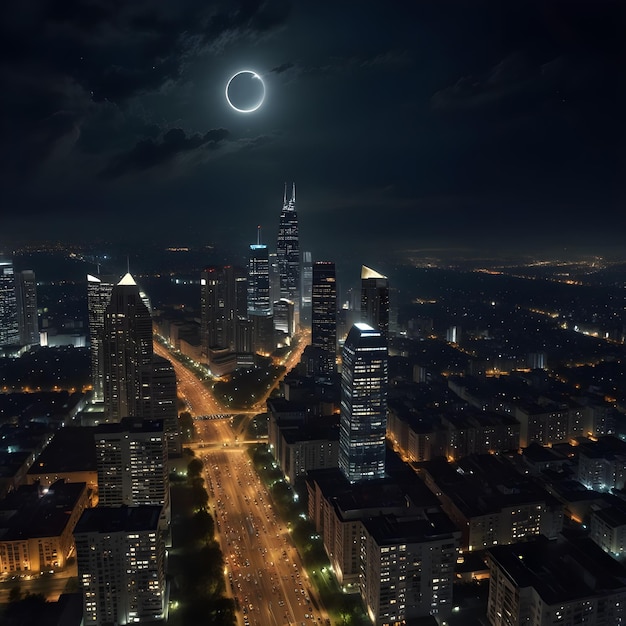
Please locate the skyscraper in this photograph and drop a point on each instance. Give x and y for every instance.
(9, 332)
(324, 314)
(98, 296)
(212, 308)
(26, 294)
(221, 305)
(288, 249)
(259, 279)
(127, 346)
(274, 277)
(363, 420)
(259, 303)
(306, 286)
(284, 321)
(375, 300)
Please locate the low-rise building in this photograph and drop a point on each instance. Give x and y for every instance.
(36, 526)
(602, 463)
(491, 502)
(417, 439)
(479, 433)
(565, 581)
(70, 456)
(607, 527)
(299, 444)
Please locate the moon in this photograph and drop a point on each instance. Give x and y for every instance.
(245, 91)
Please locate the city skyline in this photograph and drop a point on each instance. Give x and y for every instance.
(424, 449)
(401, 129)
(377, 405)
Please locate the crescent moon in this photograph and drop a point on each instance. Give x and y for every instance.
(258, 104)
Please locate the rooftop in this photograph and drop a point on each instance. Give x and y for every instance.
(389, 529)
(131, 425)
(368, 272)
(105, 519)
(28, 512)
(562, 570)
(127, 279)
(480, 484)
(71, 450)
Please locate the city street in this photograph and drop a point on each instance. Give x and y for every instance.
(265, 573)
(51, 586)
(199, 399)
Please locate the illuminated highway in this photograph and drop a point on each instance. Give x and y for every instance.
(265, 573)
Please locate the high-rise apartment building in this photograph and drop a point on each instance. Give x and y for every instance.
(98, 296)
(120, 554)
(26, 295)
(9, 332)
(375, 300)
(158, 399)
(407, 567)
(324, 314)
(363, 420)
(132, 463)
(127, 347)
(288, 249)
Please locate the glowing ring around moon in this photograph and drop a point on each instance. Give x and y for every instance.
(259, 103)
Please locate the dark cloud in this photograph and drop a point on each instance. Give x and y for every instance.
(279, 69)
(517, 83)
(110, 129)
(508, 80)
(251, 143)
(72, 59)
(174, 145)
(355, 64)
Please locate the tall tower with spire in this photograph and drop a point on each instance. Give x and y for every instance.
(288, 249)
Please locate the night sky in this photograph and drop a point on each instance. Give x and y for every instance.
(415, 124)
